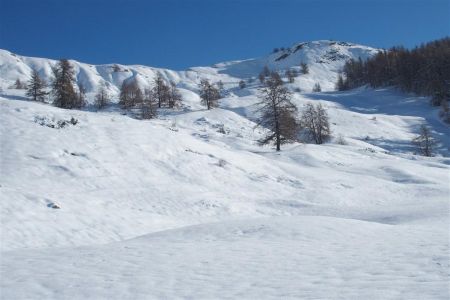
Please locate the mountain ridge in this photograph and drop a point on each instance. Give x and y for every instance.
(324, 58)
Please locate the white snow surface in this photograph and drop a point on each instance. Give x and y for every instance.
(188, 206)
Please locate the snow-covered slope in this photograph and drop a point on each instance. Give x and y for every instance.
(188, 205)
(324, 58)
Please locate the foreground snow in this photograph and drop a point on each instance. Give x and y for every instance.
(282, 257)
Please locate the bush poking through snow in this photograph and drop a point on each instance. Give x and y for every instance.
(340, 140)
(317, 88)
(424, 142)
(52, 123)
(222, 163)
(53, 205)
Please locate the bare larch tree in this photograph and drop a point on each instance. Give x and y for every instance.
(314, 121)
(102, 97)
(278, 113)
(425, 142)
(209, 94)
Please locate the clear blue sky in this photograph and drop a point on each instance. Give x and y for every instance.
(181, 33)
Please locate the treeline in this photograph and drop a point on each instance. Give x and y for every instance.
(424, 70)
(65, 92)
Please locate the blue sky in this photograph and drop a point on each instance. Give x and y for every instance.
(178, 34)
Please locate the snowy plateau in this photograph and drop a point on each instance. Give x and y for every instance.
(189, 206)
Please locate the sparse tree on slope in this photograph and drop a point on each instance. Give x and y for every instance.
(221, 88)
(149, 105)
(19, 85)
(209, 94)
(317, 88)
(81, 94)
(63, 83)
(425, 142)
(290, 76)
(102, 97)
(35, 88)
(174, 99)
(304, 67)
(278, 113)
(160, 90)
(314, 121)
(341, 84)
(130, 94)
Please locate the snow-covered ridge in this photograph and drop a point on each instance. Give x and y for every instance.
(325, 60)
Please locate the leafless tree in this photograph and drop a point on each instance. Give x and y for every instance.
(102, 97)
(261, 77)
(290, 76)
(317, 88)
(149, 105)
(304, 67)
(221, 88)
(81, 93)
(315, 122)
(174, 97)
(130, 94)
(425, 142)
(278, 113)
(19, 85)
(160, 90)
(209, 94)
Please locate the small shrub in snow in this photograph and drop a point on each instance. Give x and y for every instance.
(52, 123)
(242, 84)
(53, 205)
(341, 140)
(222, 163)
(220, 128)
(317, 88)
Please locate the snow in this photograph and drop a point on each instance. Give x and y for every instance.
(189, 206)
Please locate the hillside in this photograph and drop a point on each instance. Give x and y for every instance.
(325, 60)
(188, 205)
